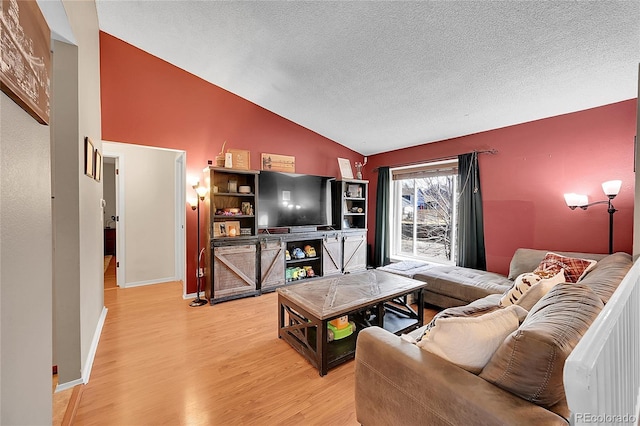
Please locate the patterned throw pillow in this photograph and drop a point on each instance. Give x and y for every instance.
(574, 268)
(529, 287)
(468, 336)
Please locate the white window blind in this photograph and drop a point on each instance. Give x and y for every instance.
(426, 170)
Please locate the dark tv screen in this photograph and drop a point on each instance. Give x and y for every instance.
(291, 199)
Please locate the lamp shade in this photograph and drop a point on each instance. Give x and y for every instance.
(576, 200)
(193, 202)
(202, 191)
(611, 187)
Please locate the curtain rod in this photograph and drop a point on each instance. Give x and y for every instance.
(491, 151)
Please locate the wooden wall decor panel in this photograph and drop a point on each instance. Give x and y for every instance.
(25, 57)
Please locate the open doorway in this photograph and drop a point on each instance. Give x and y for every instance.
(147, 211)
(110, 220)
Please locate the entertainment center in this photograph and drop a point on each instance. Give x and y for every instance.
(270, 229)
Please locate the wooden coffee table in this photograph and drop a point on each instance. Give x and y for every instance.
(368, 298)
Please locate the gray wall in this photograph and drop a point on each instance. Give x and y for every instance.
(25, 268)
(83, 19)
(66, 214)
(28, 312)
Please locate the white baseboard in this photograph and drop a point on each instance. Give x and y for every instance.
(64, 386)
(88, 364)
(149, 282)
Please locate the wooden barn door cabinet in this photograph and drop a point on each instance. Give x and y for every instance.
(332, 254)
(234, 272)
(355, 252)
(272, 274)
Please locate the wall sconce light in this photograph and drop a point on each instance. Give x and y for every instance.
(611, 188)
(194, 202)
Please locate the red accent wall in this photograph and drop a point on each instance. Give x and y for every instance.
(537, 162)
(147, 101)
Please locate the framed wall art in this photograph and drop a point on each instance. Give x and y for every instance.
(345, 168)
(98, 166)
(25, 55)
(89, 169)
(278, 163)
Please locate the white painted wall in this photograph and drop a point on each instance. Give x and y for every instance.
(148, 177)
(25, 268)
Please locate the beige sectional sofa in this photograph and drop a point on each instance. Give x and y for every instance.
(398, 382)
(449, 286)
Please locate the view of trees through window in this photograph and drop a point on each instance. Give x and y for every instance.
(426, 213)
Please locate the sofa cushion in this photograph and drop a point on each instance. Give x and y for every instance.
(407, 268)
(526, 260)
(529, 287)
(468, 335)
(607, 275)
(463, 283)
(574, 267)
(530, 361)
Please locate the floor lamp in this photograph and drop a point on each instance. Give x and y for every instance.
(611, 188)
(201, 191)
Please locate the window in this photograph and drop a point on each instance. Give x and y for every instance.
(424, 211)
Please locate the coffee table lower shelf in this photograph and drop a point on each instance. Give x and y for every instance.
(300, 329)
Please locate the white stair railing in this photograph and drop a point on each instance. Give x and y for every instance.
(602, 374)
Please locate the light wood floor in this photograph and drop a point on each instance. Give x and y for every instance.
(110, 275)
(160, 361)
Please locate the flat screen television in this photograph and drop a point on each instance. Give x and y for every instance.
(291, 199)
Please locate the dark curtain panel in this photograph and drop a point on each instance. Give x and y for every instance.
(471, 252)
(381, 250)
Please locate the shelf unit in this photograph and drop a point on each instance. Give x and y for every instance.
(224, 195)
(308, 267)
(230, 261)
(350, 203)
(252, 262)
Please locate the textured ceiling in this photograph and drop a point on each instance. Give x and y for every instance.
(377, 76)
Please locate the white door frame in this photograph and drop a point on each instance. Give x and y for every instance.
(120, 209)
(180, 215)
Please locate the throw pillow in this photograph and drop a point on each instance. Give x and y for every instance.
(468, 336)
(530, 361)
(574, 268)
(529, 287)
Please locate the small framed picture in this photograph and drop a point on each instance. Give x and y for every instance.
(233, 228)
(246, 208)
(98, 166)
(88, 157)
(345, 168)
(219, 229)
(354, 191)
